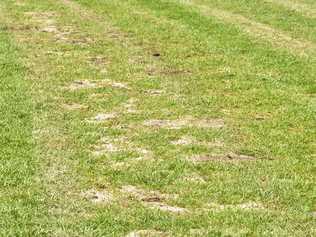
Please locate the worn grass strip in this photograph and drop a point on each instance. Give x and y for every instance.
(64, 156)
(258, 30)
(21, 206)
(53, 147)
(302, 8)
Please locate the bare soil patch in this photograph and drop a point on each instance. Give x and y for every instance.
(50, 29)
(185, 122)
(188, 140)
(155, 92)
(97, 196)
(102, 117)
(147, 233)
(104, 149)
(109, 145)
(231, 157)
(85, 84)
(86, 14)
(184, 141)
(40, 15)
(47, 23)
(119, 85)
(98, 60)
(152, 71)
(152, 199)
(130, 106)
(194, 178)
(89, 84)
(74, 106)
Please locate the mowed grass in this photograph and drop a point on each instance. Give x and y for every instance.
(20, 197)
(157, 118)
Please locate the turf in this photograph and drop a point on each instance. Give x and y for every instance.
(157, 118)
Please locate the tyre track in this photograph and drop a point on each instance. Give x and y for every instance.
(301, 8)
(258, 30)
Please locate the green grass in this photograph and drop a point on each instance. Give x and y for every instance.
(277, 16)
(20, 197)
(208, 70)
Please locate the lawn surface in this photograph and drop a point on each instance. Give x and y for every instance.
(157, 118)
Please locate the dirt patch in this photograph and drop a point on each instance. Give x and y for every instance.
(130, 106)
(197, 232)
(74, 106)
(208, 123)
(47, 23)
(102, 117)
(85, 84)
(66, 34)
(97, 60)
(164, 207)
(55, 172)
(155, 92)
(98, 96)
(108, 145)
(56, 53)
(40, 15)
(194, 178)
(96, 196)
(188, 140)
(105, 148)
(184, 141)
(75, 39)
(119, 85)
(88, 15)
(185, 122)
(152, 199)
(147, 233)
(231, 157)
(144, 195)
(50, 29)
(167, 72)
(169, 124)
(145, 154)
(213, 144)
(17, 28)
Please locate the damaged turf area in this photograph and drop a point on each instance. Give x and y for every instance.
(157, 118)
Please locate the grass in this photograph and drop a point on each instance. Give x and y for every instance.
(20, 191)
(156, 118)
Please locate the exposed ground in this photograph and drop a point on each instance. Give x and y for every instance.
(157, 118)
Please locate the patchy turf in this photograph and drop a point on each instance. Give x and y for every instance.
(157, 118)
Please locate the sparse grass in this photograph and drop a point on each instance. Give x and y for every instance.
(149, 115)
